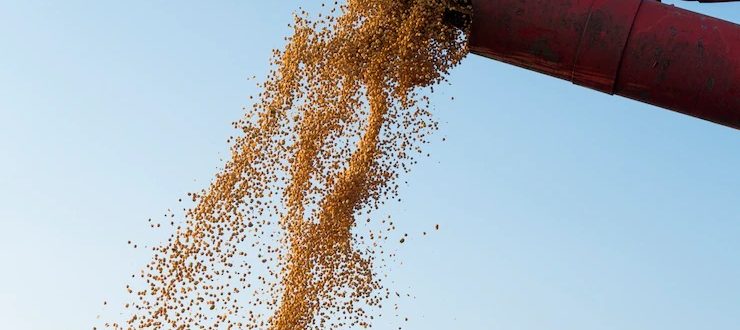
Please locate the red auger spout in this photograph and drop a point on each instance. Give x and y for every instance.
(640, 49)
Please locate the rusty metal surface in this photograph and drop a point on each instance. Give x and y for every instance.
(640, 49)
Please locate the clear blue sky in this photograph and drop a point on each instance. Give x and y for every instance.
(560, 207)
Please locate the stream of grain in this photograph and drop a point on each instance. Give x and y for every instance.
(285, 237)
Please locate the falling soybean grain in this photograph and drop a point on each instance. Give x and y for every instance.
(270, 243)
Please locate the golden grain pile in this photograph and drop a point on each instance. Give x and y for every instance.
(284, 237)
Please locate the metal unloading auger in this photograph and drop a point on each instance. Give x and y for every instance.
(640, 49)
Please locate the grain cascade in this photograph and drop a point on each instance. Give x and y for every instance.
(286, 237)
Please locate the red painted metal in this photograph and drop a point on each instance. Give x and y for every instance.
(640, 49)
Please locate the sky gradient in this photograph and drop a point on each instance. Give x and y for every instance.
(560, 207)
